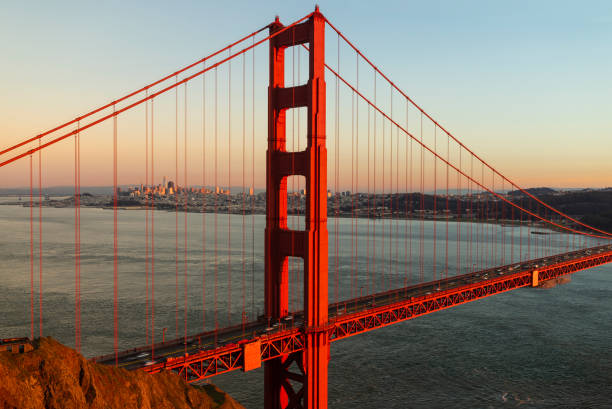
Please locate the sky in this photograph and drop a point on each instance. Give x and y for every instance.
(524, 84)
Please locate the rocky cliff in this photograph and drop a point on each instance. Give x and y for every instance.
(54, 376)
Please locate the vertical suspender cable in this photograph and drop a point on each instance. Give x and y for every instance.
(392, 220)
(40, 243)
(529, 224)
(422, 241)
(435, 193)
(407, 213)
(468, 219)
(356, 188)
(337, 175)
(176, 190)
(152, 231)
(204, 192)
(352, 194)
(243, 190)
(337, 136)
(473, 258)
(31, 255)
(492, 227)
(478, 234)
(397, 149)
(503, 240)
(447, 207)
(521, 231)
(147, 193)
(216, 173)
(253, 187)
(229, 190)
(79, 232)
(513, 231)
(115, 238)
(186, 196)
(483, 226)
(486, 227)
(383, 203)
(76, 248)
(390, 194)
(375, 196)
(409, 198)
(492, 240)
(370, 286)
(458, 211)
(538, 240)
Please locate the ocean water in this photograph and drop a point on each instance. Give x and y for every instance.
(528, 348)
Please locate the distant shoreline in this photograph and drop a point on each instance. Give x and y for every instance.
(343, 215)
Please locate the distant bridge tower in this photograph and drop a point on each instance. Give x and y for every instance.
(310, 244)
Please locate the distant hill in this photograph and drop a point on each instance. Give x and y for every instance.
(53, 376)
(536, 191)
(593, 207)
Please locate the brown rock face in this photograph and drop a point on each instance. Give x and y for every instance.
(54, 376)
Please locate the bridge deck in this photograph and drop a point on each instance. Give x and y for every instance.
(211, 353)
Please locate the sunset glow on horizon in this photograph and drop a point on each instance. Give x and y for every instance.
(503, 86)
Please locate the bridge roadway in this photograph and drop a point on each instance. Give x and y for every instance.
(211, 353)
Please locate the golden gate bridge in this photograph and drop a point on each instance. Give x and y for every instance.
(441, 226)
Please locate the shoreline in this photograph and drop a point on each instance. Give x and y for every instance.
(428, 217)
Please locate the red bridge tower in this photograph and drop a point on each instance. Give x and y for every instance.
(310, 244)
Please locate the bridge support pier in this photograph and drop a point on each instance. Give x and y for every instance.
(281, 381)
(535, 278)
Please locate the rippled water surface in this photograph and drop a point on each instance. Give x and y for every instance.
(529, 348)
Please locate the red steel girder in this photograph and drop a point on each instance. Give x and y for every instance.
(284, 343)
(208, 363)
(377, 317)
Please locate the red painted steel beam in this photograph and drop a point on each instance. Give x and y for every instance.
(229, 357)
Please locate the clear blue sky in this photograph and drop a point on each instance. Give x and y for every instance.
(526, 84)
